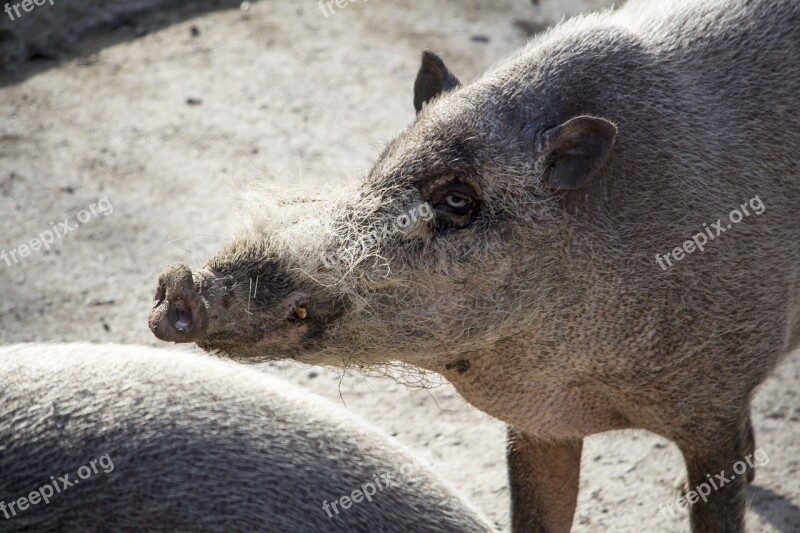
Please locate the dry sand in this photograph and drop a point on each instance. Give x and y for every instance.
(165, 109)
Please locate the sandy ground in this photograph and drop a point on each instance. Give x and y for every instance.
(164, 112)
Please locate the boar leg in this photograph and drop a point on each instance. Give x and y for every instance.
(544, 478)
(710, 463)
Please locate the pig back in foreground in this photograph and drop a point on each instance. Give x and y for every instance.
(191, 443)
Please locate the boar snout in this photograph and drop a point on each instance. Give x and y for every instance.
(178, 313)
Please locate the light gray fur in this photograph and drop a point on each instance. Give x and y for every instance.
(197, 444)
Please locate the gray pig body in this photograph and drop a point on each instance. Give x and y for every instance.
(614, 245)
(155, 440)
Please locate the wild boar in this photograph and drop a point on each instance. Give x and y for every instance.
(585, 268)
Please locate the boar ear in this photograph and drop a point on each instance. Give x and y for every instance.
(574, 151)
(433, 79)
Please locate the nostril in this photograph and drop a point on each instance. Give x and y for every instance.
(181, 315)
(178, 313)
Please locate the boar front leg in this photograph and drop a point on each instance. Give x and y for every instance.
(544, 477)
(710, 464)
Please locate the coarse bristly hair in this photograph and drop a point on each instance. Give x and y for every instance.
(349, 245)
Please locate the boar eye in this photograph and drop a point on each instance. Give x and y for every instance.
(457, 201)
(455, 204)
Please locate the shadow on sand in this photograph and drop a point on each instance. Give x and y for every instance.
(780, 512)
(49, 35)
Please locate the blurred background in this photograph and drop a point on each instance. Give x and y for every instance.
(156, 110)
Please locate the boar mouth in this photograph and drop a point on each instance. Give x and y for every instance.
(233, 345)
(191, 307)
(288, 340)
